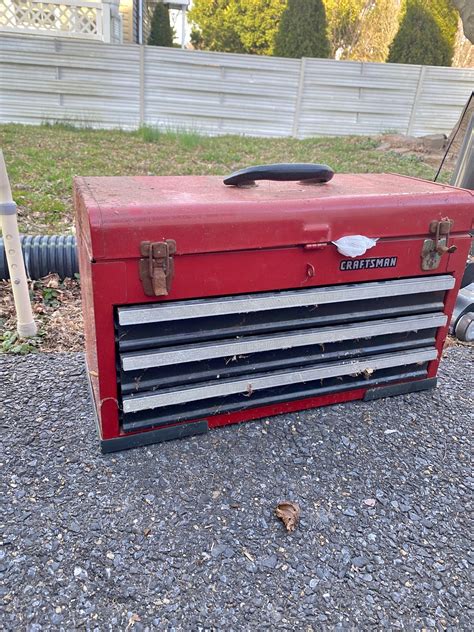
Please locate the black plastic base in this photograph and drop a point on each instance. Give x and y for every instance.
(400, 389)
(153, 436)
(180, 431)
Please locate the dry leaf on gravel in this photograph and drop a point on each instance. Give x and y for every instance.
(133, 619)
(289, 514)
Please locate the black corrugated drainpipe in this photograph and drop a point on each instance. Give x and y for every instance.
(45, 254)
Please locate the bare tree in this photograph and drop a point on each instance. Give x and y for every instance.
(362, 29)
(376, 29)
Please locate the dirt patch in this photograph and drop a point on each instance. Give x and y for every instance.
(431, 153)
(57, 309)
(431, 149)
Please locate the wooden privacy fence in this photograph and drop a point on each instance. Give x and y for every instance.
(107, 86)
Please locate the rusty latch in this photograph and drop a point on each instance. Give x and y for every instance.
(433, 249)
(157, 266)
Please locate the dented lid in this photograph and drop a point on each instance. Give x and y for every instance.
(115, 214)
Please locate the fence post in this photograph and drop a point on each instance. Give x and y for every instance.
(419, 88)
(99, 16)
(299, 98)
(141, 86)
(106, 22)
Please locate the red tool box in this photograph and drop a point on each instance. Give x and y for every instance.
(206, 304)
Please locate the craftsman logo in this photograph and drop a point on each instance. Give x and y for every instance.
(366, 264)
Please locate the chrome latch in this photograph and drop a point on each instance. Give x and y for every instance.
(157, 266)
(434, 249)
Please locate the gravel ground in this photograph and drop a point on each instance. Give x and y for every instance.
(183, 536)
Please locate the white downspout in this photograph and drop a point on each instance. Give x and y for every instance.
(140, 21)
(26, 326)
(183, 26)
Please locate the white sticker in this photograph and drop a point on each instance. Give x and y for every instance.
(354, 245)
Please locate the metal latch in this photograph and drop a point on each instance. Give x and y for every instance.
(157, 266)
(434, 249)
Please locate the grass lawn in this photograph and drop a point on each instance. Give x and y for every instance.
(42, 161)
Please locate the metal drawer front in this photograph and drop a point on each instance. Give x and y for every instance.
(280, 300)
(178, 355)
(133, 404)
(196, 358)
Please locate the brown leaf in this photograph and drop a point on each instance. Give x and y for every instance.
(289, 514)
(131, 622)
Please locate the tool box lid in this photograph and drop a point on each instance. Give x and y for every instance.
(115, 214)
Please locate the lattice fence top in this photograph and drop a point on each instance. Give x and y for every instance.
(75, 18)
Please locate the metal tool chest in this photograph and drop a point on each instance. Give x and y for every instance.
(207, 304)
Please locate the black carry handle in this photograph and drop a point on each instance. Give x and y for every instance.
(281, 172)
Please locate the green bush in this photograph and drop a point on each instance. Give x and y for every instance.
(235, 26)
(161, 33)
(426, 34)
(303, 30)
